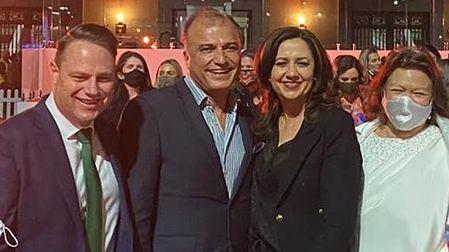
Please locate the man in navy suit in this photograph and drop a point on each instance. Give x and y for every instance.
(187, 148)
(60, 187)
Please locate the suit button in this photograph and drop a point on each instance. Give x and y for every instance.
(321, 211)
(279, 217)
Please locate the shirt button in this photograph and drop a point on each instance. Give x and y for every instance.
(279, 217)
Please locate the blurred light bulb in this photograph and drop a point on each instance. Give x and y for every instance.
(301, 20)
(120, 17)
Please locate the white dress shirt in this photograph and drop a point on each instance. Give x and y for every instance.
(109, 185)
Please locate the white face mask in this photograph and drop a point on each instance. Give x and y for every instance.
(6, 232)
(404, 113)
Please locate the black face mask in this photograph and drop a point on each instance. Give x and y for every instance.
(348, 87)
(135, 78)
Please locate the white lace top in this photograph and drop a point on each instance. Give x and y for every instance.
(406, 192)
(378, 149)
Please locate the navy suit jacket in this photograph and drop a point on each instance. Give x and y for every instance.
(38, 197)
(178, 191)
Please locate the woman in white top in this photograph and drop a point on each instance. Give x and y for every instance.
(405, 150)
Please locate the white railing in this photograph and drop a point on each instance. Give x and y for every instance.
(8, 103)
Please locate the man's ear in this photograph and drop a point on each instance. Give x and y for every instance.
(186, 57)
(54, 69)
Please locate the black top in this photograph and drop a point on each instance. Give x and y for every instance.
(305, 193)
(266, 187)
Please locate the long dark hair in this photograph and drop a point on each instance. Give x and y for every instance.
(122, 61)
(120, 97)
(121, 94)
(417, 59)
(322, 72)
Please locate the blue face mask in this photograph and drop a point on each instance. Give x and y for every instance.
(404, 113)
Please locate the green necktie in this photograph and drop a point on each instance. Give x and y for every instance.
(94, 198)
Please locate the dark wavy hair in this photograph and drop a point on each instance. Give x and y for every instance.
(408, 58)
(343, 63)
(322, 77)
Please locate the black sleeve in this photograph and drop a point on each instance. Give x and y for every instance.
(341, 183)
(140, 156)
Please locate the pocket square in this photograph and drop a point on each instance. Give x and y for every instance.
(258, 147)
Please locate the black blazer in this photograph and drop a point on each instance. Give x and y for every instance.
(38, 197)
(177, 187)
(316, 205)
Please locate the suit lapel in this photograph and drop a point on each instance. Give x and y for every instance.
(308, 137)
(106, 135)
(196, 119)
(248, 143)
(55, 158)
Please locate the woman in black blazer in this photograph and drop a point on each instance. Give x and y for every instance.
(307, 174)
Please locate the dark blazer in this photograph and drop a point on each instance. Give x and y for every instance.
(317, 201)
(177, 187)
(38, 197)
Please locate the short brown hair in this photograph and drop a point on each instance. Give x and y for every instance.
(408, 58)
(209, 13)
(93, 33)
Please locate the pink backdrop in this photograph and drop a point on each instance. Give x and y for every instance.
(36, 70)
(36, 65)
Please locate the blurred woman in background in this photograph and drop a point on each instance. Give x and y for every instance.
(370, 59)
(132, 79)
(248, 89)
(168, 73)
(347, 81)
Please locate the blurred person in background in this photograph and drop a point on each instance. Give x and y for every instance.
(444, 67)
(3, 84)
(405, 151)
(431, 49)
(370, 60)
(348, 79)
(132, 79)
(248, 87)
(168, 73)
